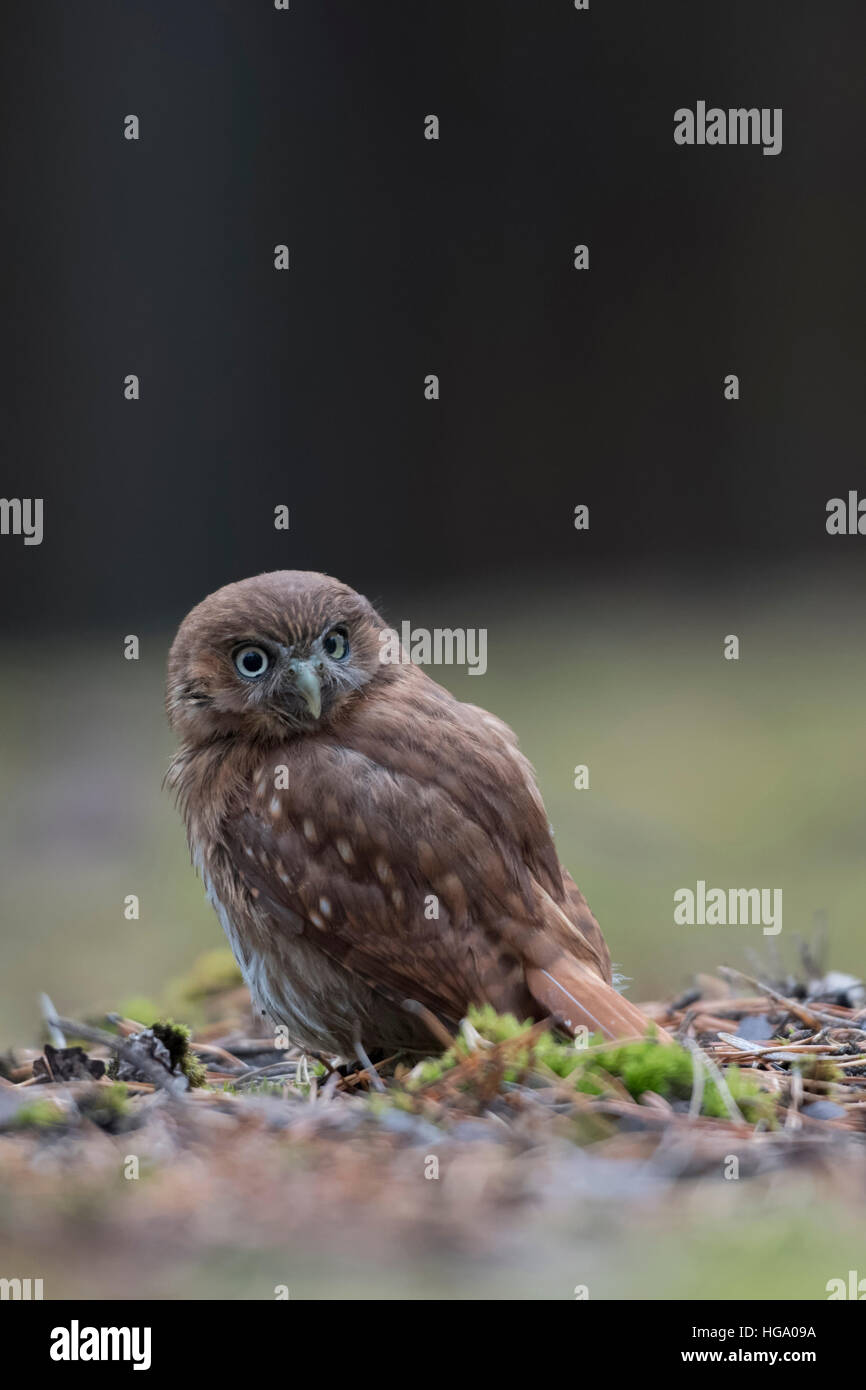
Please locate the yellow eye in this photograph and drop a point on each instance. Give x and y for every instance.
(336, 644)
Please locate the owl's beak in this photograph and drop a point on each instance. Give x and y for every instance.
(307, 686)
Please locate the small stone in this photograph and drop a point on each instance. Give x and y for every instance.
(824, 1110)
(755, 1028)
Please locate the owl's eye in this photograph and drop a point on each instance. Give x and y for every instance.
(251, 662)
(336, 644)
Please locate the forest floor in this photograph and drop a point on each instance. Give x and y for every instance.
(143, 1159)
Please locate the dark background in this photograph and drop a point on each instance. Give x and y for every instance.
(409, 257)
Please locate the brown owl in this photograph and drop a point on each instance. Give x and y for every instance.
(376, 851)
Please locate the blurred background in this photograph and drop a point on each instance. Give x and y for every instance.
(306, 388)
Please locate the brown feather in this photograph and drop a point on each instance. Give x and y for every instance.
(574, 995)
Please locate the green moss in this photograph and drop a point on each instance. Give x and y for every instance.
(175, 1037)
(755, 1104)
(665, 1069)
(401, 1101)
(817, 1068)
(433, 1069)
(108, 1107)
(263, 1086)
(494, 1027)
(642, 1066)
(39, 1114)
(668, 1071)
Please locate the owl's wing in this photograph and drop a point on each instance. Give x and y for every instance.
(419, 889)
(578, 910)
(390, 876)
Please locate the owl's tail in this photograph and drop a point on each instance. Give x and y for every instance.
(577, 997)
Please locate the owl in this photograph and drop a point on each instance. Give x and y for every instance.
(377, 852)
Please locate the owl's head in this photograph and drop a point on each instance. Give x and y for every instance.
(279, 653)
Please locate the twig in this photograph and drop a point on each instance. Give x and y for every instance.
(698, 1076)
(329, 1087)
(272, 1073)
(212, 1050)
(243, 1047)
(715, 1075)
(130, 1052)
(812, 1017)
(439, 1031)
(793, 1119)
(49, 1015)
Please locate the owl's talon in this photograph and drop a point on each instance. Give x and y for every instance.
(375, 1079)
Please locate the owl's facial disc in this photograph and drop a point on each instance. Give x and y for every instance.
(284, 653)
